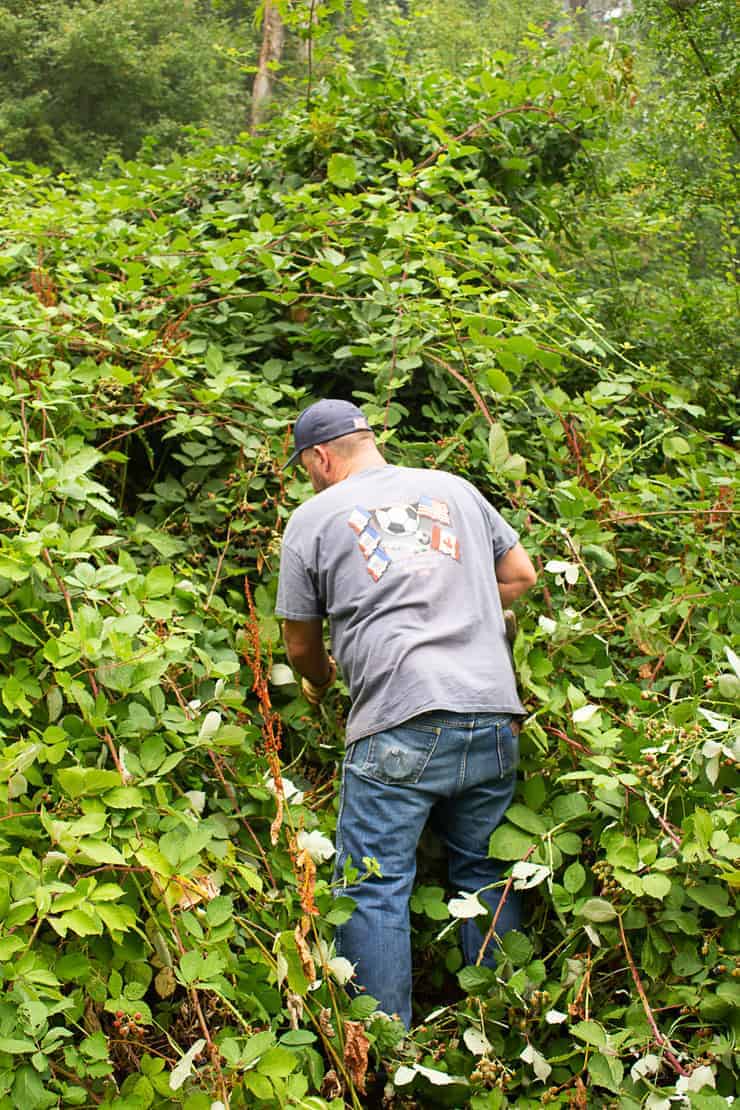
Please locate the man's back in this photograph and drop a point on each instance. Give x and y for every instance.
(401, 561)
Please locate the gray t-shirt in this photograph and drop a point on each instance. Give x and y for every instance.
(401, 561)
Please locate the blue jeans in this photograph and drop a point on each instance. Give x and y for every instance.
(459, 772)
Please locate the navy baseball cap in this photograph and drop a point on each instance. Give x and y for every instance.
(326, 420)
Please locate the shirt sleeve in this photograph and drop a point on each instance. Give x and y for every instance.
(504, 536)
(297, 595)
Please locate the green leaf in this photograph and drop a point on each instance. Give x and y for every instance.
(84, 459)
(676, 446)
(508, 842)
(499, 382)
(29, 1090)
(77, 781)
(256, 1046)
(517, 947)
(574, 877)
(117, 918)
(259, 1085)
(712, 897)
(277, 1062)
(568, 842)
(81, 922)
(124, 797)
(498, 446)
(657, 886)
(476, 980)
(99, 851)
(589, 1031)
(342, 170)
(606, 1071)
(10, 945)
(525, 818)
(598, 910)
(159, 581)
(15, 1046)
(219, 910)
(362, 1007)
(566, 807)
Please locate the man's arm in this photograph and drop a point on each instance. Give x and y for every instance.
(515, 574)
(304, 644)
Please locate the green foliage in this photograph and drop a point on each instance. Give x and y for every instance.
(88, 79)
(159, 331)
(652, 236)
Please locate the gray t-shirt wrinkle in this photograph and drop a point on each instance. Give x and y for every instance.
(401, 562)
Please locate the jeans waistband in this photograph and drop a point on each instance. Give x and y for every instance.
(439, 717)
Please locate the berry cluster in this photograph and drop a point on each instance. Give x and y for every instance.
(602, 872)
(491, 1073)
(128, 1027)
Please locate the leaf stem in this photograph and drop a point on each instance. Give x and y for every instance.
(662, 1041)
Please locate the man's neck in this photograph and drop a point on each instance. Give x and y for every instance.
(366, 461)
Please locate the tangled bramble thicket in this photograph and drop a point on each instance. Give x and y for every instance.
(165, 887)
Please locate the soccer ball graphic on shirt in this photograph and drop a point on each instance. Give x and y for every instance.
(394, 534)
(398, 520)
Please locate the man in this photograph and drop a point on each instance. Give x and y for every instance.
(412, 568)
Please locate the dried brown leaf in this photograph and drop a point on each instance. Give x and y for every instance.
(579, 1098)
(294, 1006)
(325, 1023)
(356, 1046)
(331, 1087)
(309, 968)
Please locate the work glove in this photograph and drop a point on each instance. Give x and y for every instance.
(510, 624)
(313, 693)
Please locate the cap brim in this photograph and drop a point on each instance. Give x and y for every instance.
(291, 459)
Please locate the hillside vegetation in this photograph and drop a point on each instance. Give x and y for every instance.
(458, 255)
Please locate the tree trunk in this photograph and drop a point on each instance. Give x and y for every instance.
(308, 23)
(270, 53)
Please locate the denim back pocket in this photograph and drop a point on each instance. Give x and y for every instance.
(507, 748)
(399, 755)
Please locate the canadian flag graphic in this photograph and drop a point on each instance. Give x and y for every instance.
(445, 541)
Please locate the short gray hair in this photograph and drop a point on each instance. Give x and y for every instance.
(350, 444)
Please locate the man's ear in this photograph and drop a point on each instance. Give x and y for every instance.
(324, 456)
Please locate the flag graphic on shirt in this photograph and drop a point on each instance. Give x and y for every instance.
(445, 541)
(378, 564)
(433, 508)
(403, 531)
(368, 541)
(359, 519)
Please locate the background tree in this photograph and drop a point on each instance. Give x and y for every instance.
(85, 79)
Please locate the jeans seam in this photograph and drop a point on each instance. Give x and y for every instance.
(339, 835)
(502, 772)
(464, 760)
